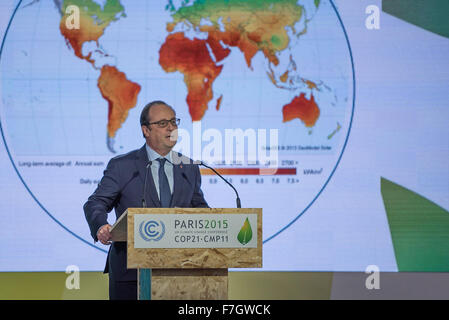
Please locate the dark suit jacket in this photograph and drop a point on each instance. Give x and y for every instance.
(122, 187)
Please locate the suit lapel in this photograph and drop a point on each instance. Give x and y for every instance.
(141, 163)
(178, 181)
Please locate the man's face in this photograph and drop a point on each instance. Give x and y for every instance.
(161, 140)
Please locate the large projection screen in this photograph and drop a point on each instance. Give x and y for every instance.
(346, 100)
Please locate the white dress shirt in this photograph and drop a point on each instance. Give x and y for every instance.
(168, 168)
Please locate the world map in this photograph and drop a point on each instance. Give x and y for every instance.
(77, 73)
(253, 26)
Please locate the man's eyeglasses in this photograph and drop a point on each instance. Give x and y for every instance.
(163, 123)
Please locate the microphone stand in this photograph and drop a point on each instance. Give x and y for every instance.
(144, 204)
(239, 205)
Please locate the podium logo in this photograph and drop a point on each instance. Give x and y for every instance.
(246, 233)
(151, 230)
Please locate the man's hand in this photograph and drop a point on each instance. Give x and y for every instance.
(104, 235)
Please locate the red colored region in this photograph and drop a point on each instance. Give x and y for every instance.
(219, 52)
(250, 171)
(303, 109)
(219, 103)
(120, 93)
(192, 59)
(233, 39)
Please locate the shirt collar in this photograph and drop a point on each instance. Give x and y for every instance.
(153, 155)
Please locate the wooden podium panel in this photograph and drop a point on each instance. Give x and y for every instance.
(187, 273)
(189, 284)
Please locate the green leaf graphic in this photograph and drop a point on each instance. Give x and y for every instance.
(419, 229)
(430, 15)
(246, 233)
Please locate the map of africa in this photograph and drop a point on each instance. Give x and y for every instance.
(73, 89)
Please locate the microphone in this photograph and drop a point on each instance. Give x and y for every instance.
(182, 173)
(144, 204)
(201, 163)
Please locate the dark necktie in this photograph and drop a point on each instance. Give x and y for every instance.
(164, 187)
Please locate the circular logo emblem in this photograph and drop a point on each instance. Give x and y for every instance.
(151, 230)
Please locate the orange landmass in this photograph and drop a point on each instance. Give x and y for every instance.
(272, 78)
(234, 38)
(219, 103)
(88, 31)
(310, 84)
(170, 26)
(303, 109)
(192, 59)
(284, 76)
(121, 95)
(219, 52)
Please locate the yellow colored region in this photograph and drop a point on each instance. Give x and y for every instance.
(95, 286)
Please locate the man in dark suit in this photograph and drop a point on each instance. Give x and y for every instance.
(171, 182)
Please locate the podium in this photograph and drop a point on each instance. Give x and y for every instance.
(185, 253)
